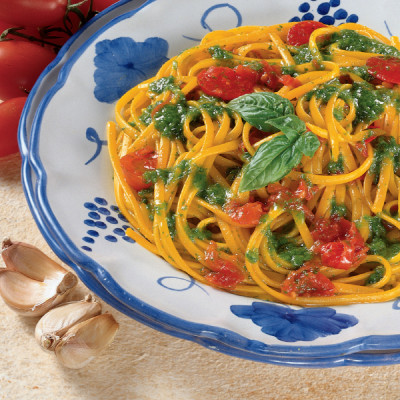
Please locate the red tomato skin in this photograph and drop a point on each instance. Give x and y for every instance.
(36, 13)
(227, 83)
(385, 69)
(307, 281)
(339, 243)
(300, 33)
(10, 112)
(21, 63)
(134, 165)
(270, 76)
(288, 80)
(100, 5)
(247, 215)
(224, 273)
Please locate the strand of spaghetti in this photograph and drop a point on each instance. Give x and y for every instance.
(254, 244)
(219, 149)
(282, 48)
(312, 43)
(384, 177)
(363, 277)
(317, 117)
(231, 237)
(301, 111)
(354, 289)
(244, 50)
(137, 237)
(325, 201)
(303, 229)
(333, 72)
(338, 179)
(330, 123)
(111, 136)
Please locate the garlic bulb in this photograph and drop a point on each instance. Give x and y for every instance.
(86, 340)
(32, 283)
(55, 323)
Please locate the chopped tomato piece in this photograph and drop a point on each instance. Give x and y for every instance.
(224, 273)
(227, 83)
(270, 76)
(135, 164)
(288, 80)
(386, 69)
(300, 33)
(293, 200)
(248, 214)
(330, 230)
(307, 281)
(339, 243)
(305, 191)
(370, 139)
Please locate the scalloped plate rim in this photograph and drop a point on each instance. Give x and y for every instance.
(120, 298)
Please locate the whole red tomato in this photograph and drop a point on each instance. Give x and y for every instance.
(10, 112)
(100, 5)
(32, 13)
(20, 65)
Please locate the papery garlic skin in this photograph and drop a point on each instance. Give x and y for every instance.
(86, 340)
(56, 322)
(32, 283)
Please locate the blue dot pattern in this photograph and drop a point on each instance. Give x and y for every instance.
(323, 11)
(101, 217)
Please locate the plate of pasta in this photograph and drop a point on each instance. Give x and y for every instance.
(234, 179)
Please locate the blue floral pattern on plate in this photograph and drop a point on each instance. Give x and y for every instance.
(122, 63)
(326, 12)
(291, 325)
(100, 218)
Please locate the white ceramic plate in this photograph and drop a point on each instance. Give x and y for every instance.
(70, 190)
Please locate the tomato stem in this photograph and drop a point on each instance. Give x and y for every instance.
(15, 32)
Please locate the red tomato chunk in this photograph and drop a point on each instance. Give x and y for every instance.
(227, 83)
(339, 243)
(307, 281)
(384, 68)
(224, 273)
(300, 33)
(247, 215)
(134, 165)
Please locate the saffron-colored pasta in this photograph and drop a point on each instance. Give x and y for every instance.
(265, 162)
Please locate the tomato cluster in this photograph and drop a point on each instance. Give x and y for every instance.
(31, 33)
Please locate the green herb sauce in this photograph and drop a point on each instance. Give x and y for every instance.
(220, 54)
(352, 41)
(376, 276)
(377, 241)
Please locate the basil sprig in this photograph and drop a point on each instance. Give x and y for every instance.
(274, 159)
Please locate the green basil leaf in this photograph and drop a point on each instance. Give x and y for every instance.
(276, 158)
(308, 143)
(273, 160)
(259, 108)
(291, 125)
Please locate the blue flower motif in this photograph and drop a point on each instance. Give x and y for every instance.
(290, 325)
(123, 63)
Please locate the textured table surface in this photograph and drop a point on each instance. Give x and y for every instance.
(145, 364)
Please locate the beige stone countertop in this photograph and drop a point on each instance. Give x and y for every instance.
(145, 364)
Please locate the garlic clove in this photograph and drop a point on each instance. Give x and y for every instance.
(55, 323)
(85, 340)
(30, 261)
(33, 298)
(32, 283)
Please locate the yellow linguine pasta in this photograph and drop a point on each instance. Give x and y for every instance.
(296, 202)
